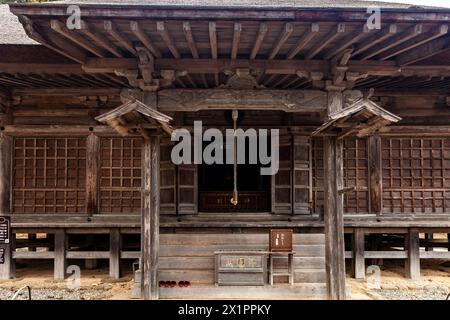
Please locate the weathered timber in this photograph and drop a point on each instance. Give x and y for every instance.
(376, 179)
(92, 174)
(358, 254)
(7, 269)
(219, 99)
(60, 262)
(114, 253)
(412, 266)
(334, 207)
(150, 218)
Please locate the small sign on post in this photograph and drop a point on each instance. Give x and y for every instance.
(2, 255)
(5, 224)
(281, 240)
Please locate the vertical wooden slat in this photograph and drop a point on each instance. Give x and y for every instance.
(358, 254)
(413, 262)
(334, 207)
(60, 255)
(6, 148)
(114, 253)
(150, 218)
(376, 182)
(92, 174)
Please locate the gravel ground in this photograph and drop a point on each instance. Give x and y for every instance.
(53, 294)
(425, 294)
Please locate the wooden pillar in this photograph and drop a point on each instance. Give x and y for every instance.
(376, 178)
(334, 205)
(7, 269)
(413, 262)
(92, 173)
(114, 253)
(429, 239)
(150, 218)
(60, 255)
(359, 265)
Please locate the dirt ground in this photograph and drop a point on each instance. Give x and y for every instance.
(95, 284)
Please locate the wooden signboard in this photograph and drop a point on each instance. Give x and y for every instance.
(280, 240)
(245, 268)
(2, 255)
(5, 224)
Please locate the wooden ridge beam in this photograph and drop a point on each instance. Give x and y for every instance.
(190, 39)
(414, 43)
(113, 32)
(283, 37)
(100, 40)
(144, 38)
(71, 35)
(236, 39)
(330, 37)
(304, 40)
(164, 33)
(395, 41)
(262, 32)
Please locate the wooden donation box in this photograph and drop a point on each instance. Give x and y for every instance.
(241, 268)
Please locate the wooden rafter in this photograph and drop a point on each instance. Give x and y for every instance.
(416, 42)
(283, 37)
(379, 37)
(164, 33)
(330, 37)
(113, 32)
(424, 52)
(395, 41)
(345, 43)
(144, 38)
(236, 39)
(190, 39)
(71, 35)
(304, 40)
(99, 39)
(213, 39)
(53, 42)
(262, 32)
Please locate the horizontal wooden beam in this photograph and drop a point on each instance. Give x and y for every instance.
(212, 66)
(220, 99)
(147, 12)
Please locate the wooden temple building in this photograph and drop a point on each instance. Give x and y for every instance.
(86, 115)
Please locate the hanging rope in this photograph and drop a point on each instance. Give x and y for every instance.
(234, 199)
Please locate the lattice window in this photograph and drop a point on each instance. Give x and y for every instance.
(49, 175)
(416, 175)
(355, 175)
(120, 182)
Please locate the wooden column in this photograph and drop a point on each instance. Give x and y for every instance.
(114, 253)
(7, 270)
(60, 262)
(150, 218)
(334, 207)
(92, 174)
(413, 262)
(359, 265)
(376, 178)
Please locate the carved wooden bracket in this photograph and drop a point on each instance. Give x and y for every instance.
(241, 79)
